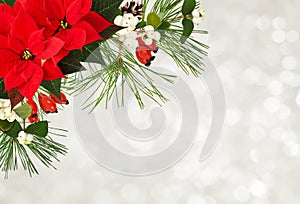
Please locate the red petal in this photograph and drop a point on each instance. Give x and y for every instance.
(74, 38)
(62, 53)
(53, 46)
(3, 42)
(8, 59)
(55, 9)
(97, 21)
(6, 22)
(15, 78)
(91, 33)
(77, 10)
(36, 9)
(51, 71)
(6, 8)
(36, 43)
(23, 27)
(29, 88)
(16, 45)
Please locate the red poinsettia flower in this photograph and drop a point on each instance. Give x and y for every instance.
(27, 57)
(70, 20)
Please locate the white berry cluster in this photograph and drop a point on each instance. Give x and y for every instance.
(198, 16)
(129, 21)
(148, 34)
(5, 111)
(25, 138)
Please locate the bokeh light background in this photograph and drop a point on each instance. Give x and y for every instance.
(255, 46)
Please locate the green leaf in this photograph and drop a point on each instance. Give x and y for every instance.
(108, 32)
(14, 130)
(53, 86)
(153, 19)
(165, 25)
(70, 64)
(188, 7)
(107, 8)
(3, 94)
(90, 53)
(23, 111)
(39, 129)
(141, 24)
(188, 27)
(5, 125)
(9, 2)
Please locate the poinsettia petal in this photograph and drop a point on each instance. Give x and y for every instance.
(55, 9)
(3, 42)
(62, 53)
(8, 59)
(36, 9)
(14, 78)
(91, 33)
(23, 27)
(74, 38)
(6, 8)
(29, 88)
(77, 10)
(16, 45)
(52, 71)
(36, 43)
(98, 22)
(52, 47)
(6, 22)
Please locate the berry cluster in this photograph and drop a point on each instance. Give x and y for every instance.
(25, 138)
(128, 21)
(6, 113)
(47, 104)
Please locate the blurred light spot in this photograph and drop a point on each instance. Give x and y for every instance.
(103, 196)
(253, 155)
(241, 194)
(258, 188)
(257, 133)
(279, 23)
(279, 36)
(196, 199)
(130, 193)
(298, 98)
(292, 36)
(263, 23)
(275, 87)
(291, 149)
(233, 116)
(272, 104)
(276, 134)
(289, 62)
(283, 112)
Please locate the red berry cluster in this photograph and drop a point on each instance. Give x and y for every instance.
(47, 104)
(144, 52)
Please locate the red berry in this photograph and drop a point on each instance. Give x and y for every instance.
(33, 118)
(47, 104)
(63, 100)
(143, 54)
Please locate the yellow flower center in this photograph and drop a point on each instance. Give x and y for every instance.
(27, 55)
(64, 24)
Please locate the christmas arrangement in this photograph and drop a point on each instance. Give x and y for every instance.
(44, 42)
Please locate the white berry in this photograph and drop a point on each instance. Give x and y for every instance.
(148, 28)
(118, 20)
(2, 116)
(157, 36)
(11, 117)
(148, 41)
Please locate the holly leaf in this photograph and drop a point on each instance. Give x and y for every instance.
(108, 8)
(70, 64)
(3, 94)
(9, 2)
(153, 19)
(141, 24)
(23, 111)
(5, 125)
(53, 86)
(39, 129)
(14, 130)
(15, 97)
(188, 7)
(188, 27)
